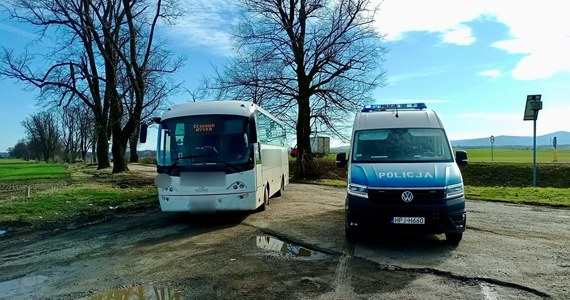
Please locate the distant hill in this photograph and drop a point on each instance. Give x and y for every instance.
(562, 137)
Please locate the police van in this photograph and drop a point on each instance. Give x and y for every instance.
(402, 174)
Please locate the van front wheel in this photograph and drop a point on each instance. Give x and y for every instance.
(453, 238)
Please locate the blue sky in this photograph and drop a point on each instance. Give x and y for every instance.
(472, 61)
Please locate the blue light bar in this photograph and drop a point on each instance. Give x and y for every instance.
(404, 106)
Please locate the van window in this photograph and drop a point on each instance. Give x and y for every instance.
(401, 145)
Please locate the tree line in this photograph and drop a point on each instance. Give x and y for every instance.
(312, 62)
(65, 135)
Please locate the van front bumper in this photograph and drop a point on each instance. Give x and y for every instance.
(364, 215)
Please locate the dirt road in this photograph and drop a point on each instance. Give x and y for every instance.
(294, 250)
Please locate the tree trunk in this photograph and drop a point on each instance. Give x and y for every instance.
(119, 149)
(304, 157)
(102, 148)
(133, 145)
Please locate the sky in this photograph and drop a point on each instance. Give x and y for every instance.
(474, 62)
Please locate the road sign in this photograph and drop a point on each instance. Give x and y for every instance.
(533, 105)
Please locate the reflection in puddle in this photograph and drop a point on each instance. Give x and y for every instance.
(140, 293)
(14, 287)
(285, 249)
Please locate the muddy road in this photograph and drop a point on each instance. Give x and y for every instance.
(294, 250)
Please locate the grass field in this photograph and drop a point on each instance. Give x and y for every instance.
(516, 155)
(15, 169)
(35, 193)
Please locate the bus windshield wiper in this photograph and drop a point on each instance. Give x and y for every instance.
(179, 159)
(229, 165)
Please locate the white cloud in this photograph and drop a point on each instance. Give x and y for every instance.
(491, 73)
(461, 35)
(208, 24)
(540, 30)
(398, 17)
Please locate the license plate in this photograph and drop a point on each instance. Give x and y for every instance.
(204, 205)
(408, 220)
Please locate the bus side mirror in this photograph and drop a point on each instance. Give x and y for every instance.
(341, 160)
(252, 130)
(461, 157)
(143, 133)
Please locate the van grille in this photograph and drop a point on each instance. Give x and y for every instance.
(392, 196)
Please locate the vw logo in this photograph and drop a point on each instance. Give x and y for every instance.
(407, 196)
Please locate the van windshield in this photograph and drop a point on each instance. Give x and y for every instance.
(401, 145)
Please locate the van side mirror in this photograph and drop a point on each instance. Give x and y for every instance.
(341, 160)
(461, 157)
(143, 133)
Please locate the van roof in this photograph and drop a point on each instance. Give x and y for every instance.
(397, 119)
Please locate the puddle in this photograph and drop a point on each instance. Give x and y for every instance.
(3, 232)
(140, 293)
(13, 288)
(283, 248)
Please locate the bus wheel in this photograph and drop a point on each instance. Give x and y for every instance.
(263, 206)
(281, 189)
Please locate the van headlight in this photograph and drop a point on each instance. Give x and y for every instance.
(358, 190)
(453, 191)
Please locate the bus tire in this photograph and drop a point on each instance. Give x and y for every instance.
(263, 205)
(281, 189)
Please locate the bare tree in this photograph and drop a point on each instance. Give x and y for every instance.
(43, 133)
(99, 40)
(77, 128)
(20, 150)
(312, 60)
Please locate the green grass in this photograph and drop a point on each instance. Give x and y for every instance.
(62, 193)
(516, 155)
(13, 170)
(527, 195)
(74, 200)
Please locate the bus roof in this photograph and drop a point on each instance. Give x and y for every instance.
(225, 107)
(397, 119)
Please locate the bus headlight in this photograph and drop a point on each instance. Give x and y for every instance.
(238, 185)
(358, 190)
(454, 191)
(162, 180)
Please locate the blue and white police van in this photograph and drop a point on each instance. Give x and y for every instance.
(402, 174)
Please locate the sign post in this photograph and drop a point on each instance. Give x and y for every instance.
(533, 105)
(555, 154)
(492, 143)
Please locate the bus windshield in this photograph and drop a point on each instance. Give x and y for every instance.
(205, 140)
(401, 145)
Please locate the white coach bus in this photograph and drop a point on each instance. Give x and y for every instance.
(219, 156)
